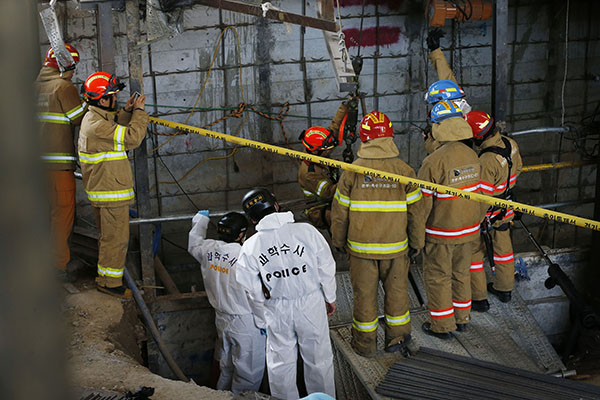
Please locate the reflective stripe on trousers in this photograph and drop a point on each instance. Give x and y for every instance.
(111, 195)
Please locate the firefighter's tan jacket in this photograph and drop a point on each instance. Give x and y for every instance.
(59, 110)
(494, 172)
(439, 62)
(376, 218)
(104, 138)
(450, 219)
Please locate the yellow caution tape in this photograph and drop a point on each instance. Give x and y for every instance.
(493, 201)
(557, 165)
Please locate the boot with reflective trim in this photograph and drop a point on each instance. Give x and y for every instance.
(503, 296)
(120, 291)
(480, 305)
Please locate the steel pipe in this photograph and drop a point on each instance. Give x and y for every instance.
(560, 129)
(152, 327)
(557, 165)
(566, 203)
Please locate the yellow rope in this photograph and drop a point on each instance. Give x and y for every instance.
(493, 201)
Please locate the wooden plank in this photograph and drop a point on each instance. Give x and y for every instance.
(164, 276)
(179, 302)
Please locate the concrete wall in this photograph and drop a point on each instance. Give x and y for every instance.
(394, 77)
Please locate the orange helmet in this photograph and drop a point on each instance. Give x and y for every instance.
(480, 122)
(375, 125)
(318, 138)
(100, 84)
(50, 59)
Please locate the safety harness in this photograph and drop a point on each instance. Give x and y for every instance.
(487, 224)
(506, 153)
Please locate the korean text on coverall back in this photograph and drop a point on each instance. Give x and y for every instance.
(296, 266)
(240, 346)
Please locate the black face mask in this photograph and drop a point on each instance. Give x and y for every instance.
(111, 107)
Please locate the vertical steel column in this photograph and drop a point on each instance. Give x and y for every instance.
(106, 43)
(142, 190)
(511, 76)
(376, 59)
(155, 137)
(307, 89)
(263, 60)
(500, 60)
(226, 145)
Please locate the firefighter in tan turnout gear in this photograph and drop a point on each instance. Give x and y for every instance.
(60, 109)
(452, 222)
(501, 164)
(493, 172)
(377, 221)
(105, 137)
(317, 181)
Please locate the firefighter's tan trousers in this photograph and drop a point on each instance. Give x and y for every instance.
(113, 224)
(504, 278)
(62, 192)
(448, 285)
(365, 275)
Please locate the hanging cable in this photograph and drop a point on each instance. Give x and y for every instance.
(562, 94)
(362, 17)
(175, 180)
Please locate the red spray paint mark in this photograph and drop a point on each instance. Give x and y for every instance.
(384, 36)
(390, 4)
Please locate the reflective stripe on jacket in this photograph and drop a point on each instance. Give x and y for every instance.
(375, 218)
(107, 176)
(452, 220)
(59, 110)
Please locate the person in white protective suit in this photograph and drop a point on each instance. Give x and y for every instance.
(241, 336)
(288, 269)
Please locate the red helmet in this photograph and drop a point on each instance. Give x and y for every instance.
(375, 125)
(318, 138)
(50, 60)
(480, 123)
(100, 84)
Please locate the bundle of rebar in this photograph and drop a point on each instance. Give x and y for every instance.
(433, 374)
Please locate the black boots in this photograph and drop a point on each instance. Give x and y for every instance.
(501, 295)
(480, 305)
(440, 335)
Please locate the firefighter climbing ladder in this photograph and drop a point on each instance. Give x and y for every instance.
(493, 201)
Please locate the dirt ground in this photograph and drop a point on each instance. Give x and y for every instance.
(103, 353)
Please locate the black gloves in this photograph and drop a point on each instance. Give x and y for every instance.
(426, 132)
(413, 254)
(433, 38)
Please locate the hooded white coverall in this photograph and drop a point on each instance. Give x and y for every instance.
(297, 268)
(240, 345)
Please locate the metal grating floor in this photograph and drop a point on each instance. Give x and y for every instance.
(507, 335)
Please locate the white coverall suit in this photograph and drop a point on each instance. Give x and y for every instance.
(241, 347)
(297, 268)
